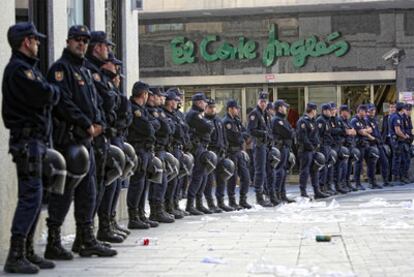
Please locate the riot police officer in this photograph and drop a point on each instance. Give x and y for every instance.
(308, 141)
(326, 141)
(78, 120)
(398, 138)
(236, 135)
(141, 135)
(386, 136)
(201, 129)
(363, 138)
(97, 55)
(258, 127)
(271, 159)
(346, 138)
(218, 144)
(408, 127)
(27, 101)
(283, 134)
(156, 193)
(379, 143)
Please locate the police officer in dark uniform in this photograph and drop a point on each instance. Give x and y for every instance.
(283, 134)
(398, 138)
(270, 170)
(176, 148)
(27, 101)
(408, 127)
(141, 135)
(363, 138)
(379, 143)
(308, 141)
(258, 127)
(157, 192)
(346, 138)
(78, 120)
(218, 145)
(201, 129)
(236, 135)
(97, 55)
(326, 141)
(107, 209)
(386, 136)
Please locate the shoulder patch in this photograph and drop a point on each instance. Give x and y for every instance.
(320, 125)
(77, 76)
(280, 122)
(398, 121)
(303, 126)
(96, 77)
(137, 113)
(228, 126)
(155, 114)
(163, 114)
(59, 76)
(358, 124)
(29, 74)
(252, 117)
(200, 115)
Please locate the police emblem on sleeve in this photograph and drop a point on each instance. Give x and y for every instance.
(398, 121)
(137, 113)
(252, 117)
(303, 126)
(200, 115)
(228, 126)
(320, 125)
(96, 77)
(155, 114)
(280, 122)
(58, 76)
(29, 74)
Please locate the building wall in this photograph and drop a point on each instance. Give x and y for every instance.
(370, 34)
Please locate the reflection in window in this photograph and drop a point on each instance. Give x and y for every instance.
(320, 95)
(22, 10)
(75, 12)
(353, 96)
(383, 95)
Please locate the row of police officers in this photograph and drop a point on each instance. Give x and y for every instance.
(75, 136)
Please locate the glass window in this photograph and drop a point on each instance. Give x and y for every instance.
(323, 94)
(294, 96)
(383, 95)
(353, 96)
(22, 10)
(75, 12)
(223, 95)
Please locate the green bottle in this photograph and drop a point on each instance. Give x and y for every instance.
(323, 238)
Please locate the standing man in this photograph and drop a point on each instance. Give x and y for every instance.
(308, 140)
(408, 128)
(236, 135)
(201, 129)
(78, 121)
(363, 139)
(386, 136)
(258, 127)
(27, 101)
(283, 134)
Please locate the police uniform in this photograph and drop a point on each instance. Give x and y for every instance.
(347, 141)
(258, 127)
(326, 141)
(269, 187)
(109, 100)
(201, 129)
(77, 110)
(308, 141)
(408, 128)
(27, 101)
(236, 135)
(386, 138)
(141, 135)
(283, 134)
(379, 143)
(362, 143)
(398, 143)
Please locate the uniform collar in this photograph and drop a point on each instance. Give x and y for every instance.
(195, 107)
(72, 57)
(280, 115)
(210, 116)
(97, 62)
(27, 59)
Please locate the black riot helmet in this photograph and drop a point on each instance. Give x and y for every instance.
(225, 169)
(115, 163)
(319, 161)
(54, 171)
(77, 164)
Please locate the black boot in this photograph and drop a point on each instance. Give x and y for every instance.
(117, 227)
(319, 194)
(34, 258)
(105, 232)
(90, 246)
(340, 189)
(177, 208)
(350, 186)
(134, 221)
(212, 206)
(260, 200)
(405, 180)
(330, 190)
(243, 202)
(223, 206)
(303, 192)
(373, 185)
(233, 203)
(201, 207)
(157, 213)
(54, 248)
(284, 198)
(397, 181)
(16, 260)
(145, 219)
(191, 209)
(274, 200)
(169, 208)
(77, 243)
(359, 186)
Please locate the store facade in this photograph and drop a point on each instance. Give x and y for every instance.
(300, 57)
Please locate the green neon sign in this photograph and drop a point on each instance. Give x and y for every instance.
(211, 49)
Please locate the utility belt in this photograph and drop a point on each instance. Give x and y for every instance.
(233, 149)
(26, 134)
(143, 145)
